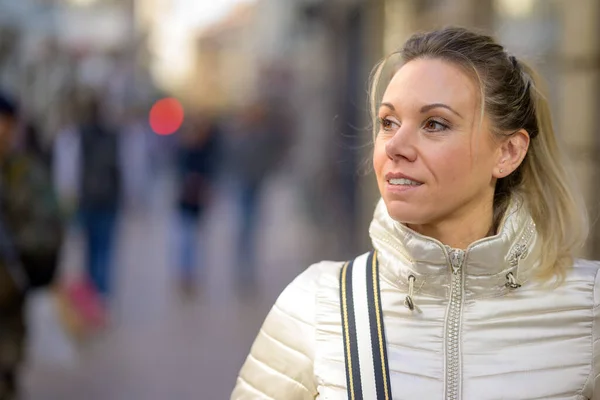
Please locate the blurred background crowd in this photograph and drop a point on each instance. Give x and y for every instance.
(168, 166)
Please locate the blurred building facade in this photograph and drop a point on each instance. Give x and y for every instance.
(226, 62)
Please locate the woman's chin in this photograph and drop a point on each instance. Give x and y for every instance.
(405, 213)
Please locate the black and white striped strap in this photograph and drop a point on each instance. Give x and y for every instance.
(367, 371)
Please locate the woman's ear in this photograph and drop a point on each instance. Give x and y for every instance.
(512, 153)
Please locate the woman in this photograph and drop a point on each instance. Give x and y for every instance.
(476, 292)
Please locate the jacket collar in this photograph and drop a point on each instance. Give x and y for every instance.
(485, 264)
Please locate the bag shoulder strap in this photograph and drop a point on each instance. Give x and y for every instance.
(367, 370)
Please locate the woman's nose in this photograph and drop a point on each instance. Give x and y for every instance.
(402, 145)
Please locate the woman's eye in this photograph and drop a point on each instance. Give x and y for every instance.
(386, 124)
(434, 126)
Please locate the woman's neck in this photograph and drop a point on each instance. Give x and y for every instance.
(462, 229)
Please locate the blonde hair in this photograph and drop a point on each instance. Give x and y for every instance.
(512, 97)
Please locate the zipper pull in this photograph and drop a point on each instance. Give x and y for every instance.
(457, 258)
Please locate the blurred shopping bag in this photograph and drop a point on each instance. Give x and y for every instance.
(77, 302)
(62, 318)
(80, 308)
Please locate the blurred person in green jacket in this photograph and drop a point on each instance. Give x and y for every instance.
(31, 233)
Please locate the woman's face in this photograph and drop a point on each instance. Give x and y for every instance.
(434, 158)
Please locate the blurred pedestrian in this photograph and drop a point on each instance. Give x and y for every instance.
(99, 191)
(196, 168)
(31, 234)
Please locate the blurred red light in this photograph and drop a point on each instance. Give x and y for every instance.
(166, 116)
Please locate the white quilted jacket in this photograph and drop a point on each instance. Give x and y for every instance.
(470, 337)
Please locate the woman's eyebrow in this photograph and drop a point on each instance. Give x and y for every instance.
(429, 107)
(426, 108)
(388, 105)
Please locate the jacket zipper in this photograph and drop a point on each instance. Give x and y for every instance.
(456, 260)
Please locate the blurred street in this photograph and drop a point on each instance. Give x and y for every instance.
(162, 345)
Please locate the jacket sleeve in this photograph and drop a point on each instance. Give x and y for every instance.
(280, 363)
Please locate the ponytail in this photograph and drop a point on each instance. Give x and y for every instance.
(556, 207)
